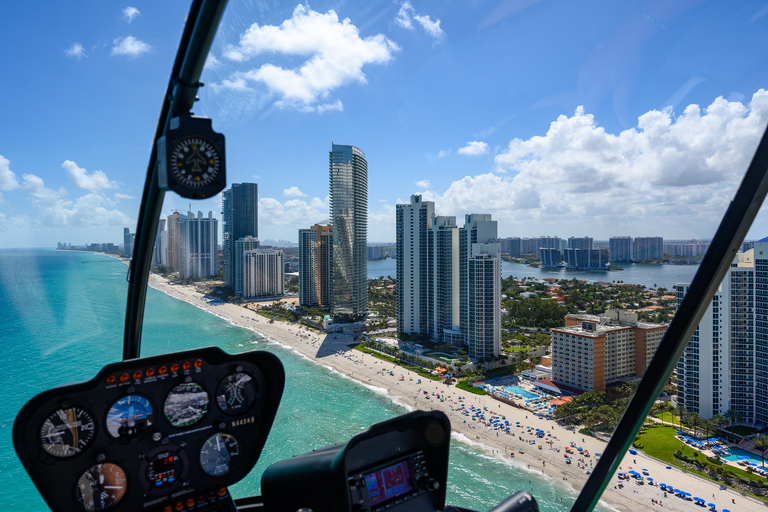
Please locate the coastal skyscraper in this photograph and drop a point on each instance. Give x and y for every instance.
(448, 278)
(240, 218)
(620, 248)
(648, 248)
(315, 266)
(198, 245)
(172, 222)
(723, 366)
(349, 218)
(128, 239)
(415, 271)
(263, 273)
(241, 246)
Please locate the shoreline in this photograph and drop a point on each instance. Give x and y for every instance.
(522, 449)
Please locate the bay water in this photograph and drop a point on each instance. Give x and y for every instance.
(61, 319)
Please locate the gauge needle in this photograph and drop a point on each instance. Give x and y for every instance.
(218, 444)
(113, 487)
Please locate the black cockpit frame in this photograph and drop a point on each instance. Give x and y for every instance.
(198, 34)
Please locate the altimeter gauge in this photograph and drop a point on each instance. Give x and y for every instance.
(101, 487)
(219, 454)
(67, 432)
(190, 158)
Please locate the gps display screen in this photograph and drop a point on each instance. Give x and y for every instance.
(388, 483)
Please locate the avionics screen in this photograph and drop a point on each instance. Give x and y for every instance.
(388, 483)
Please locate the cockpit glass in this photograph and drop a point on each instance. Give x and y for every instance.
(564, 164)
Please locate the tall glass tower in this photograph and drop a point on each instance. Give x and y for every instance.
(240, 216)
(349, 218)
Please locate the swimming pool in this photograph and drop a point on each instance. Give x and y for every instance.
(520, 391)
(737, 453)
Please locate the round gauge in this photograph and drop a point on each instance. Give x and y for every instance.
(128, 416)
(101, 487)
(219, 454)
(186, 404)
(236, 393)
(165, 468)
(195, 162)
(67, 432)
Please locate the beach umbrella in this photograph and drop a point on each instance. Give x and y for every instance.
(580, 448)
(711, 505)
(697, 499)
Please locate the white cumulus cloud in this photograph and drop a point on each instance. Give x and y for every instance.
(76, 51)
(670, 175)
(96, 180)
(124, 196)
(333, 50)
(8, 179)
(130, 46)
(422, 183)
(85, 211)
(474, 148)
(407, 14)
(130, 13)
(293, 192)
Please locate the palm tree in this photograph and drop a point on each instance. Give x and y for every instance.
(733, 415)
(761, 441)
(695, 420)
(719, 420)
(680, 412)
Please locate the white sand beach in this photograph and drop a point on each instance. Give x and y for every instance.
(520, 447)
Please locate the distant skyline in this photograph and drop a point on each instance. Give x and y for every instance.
(565, 119)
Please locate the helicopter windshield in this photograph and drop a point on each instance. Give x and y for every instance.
(580, 155)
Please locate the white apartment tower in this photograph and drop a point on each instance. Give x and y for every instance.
(414, 266)
(725, 365)
(449, 278)
(197, 245)
(264, 273)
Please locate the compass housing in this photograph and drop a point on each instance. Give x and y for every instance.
(190, 158)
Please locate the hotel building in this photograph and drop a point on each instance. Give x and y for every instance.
(593, 352)
(263, 273)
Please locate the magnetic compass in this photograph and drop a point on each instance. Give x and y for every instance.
(190, 158)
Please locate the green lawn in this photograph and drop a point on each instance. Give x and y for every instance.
(469, 388)
(660, 442)
(741, 430)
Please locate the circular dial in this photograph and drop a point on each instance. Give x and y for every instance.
(128, 416)
(236, 393)
(186, 404)
(195, 162)
(165, 468)
(67, 432)
(101, 487)
(219, 454)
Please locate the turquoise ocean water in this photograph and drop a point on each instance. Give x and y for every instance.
(61, 320)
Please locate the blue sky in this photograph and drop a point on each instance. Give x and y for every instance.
(558, 117)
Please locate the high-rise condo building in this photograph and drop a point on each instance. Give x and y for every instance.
(478, 229)
(240, 247)
(128, 239)
(197, 245)
(511, 246)
(172, 222)
(349, 218)
(593, 352)
(620, 248)
(449, 278)
(414, 266)
(160, 249)
(723, 366)
(648, 248)
(240, 218)
(263, 273)
(584, 243)
(315, 266)
(484, 301)
(446, 323)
